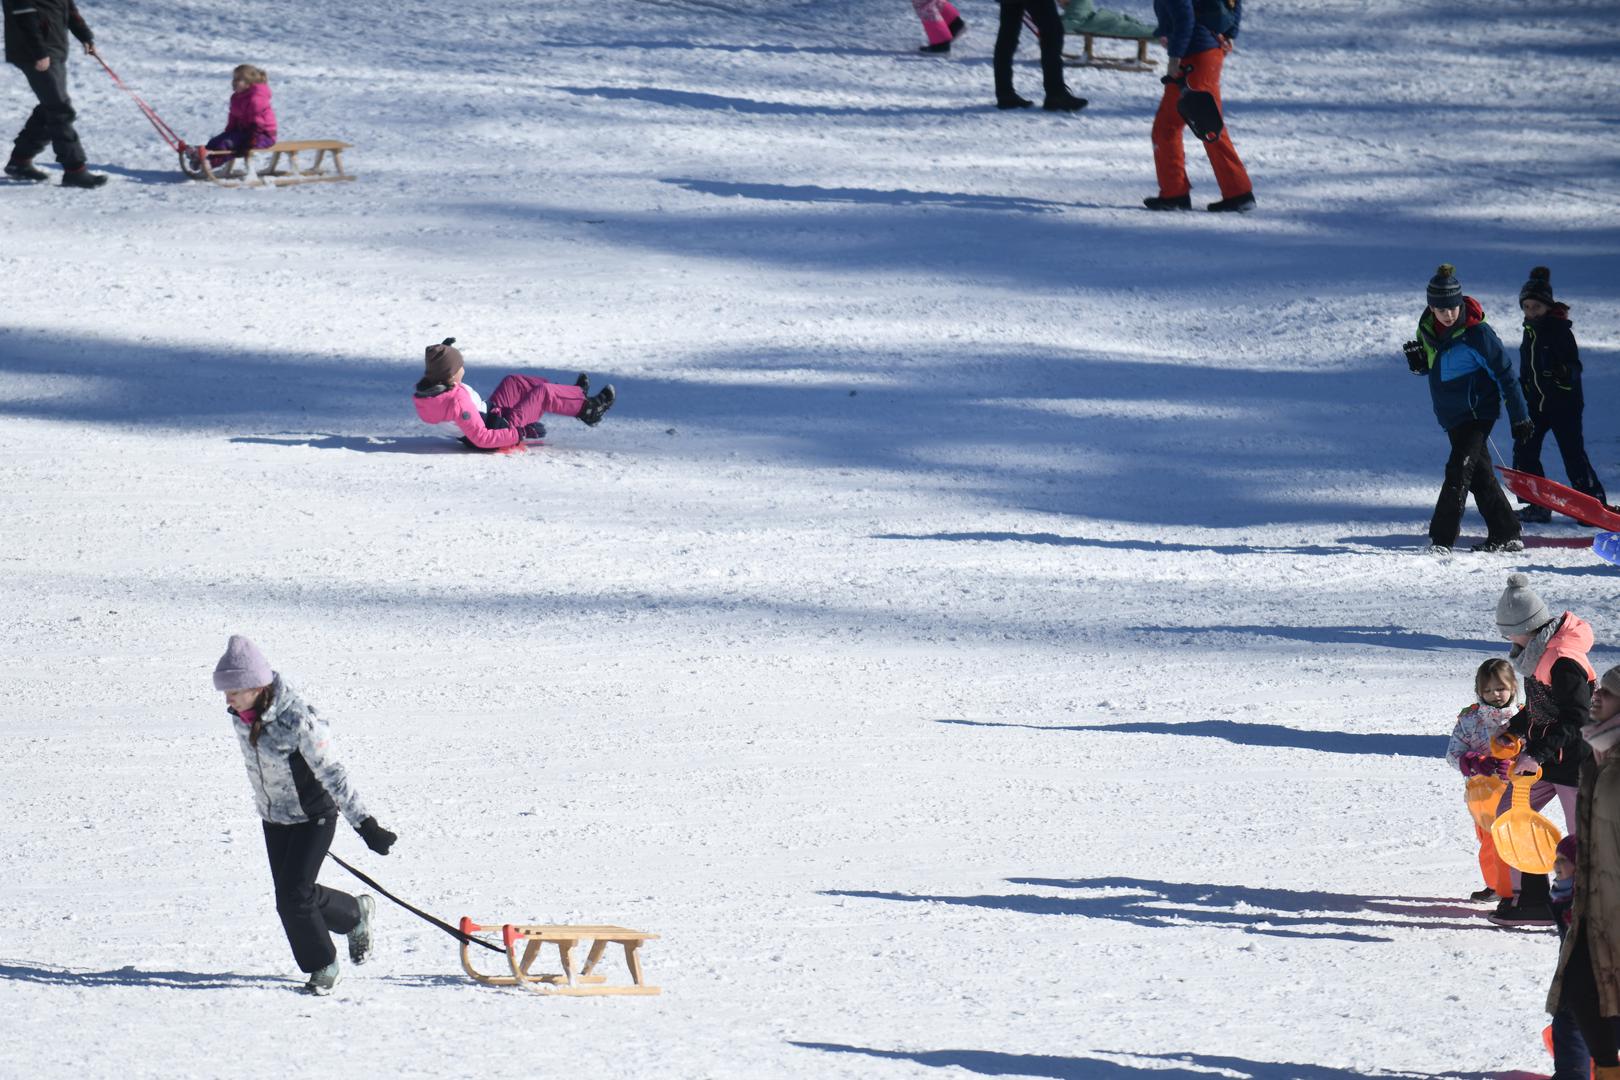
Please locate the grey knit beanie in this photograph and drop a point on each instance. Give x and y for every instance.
(1539, 287)
(243, 667)
(1445, 291)
(1520, 611)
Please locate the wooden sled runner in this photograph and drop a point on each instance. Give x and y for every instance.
(1089, 58)
(198, 167)
(583, 983)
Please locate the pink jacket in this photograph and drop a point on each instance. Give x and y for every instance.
(251, 111)
(456, 406)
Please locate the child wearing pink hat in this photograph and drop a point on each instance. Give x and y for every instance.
(300, 787)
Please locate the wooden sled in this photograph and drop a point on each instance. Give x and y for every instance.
(1089, 58)
(584, 982)
(1552, 495)
(199, 167)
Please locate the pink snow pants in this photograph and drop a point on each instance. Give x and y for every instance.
(936, 16)
(522, 399)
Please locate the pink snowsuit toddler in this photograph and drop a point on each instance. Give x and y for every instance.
(251, 124)
(936, 16)
(519, 401)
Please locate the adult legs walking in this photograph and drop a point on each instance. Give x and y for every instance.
(1049, 25)
(51, 122)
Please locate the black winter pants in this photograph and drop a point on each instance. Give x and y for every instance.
(1579, 997)
(52, 119)
(1044, 14)
(1563, 419)
(1469, 469)
(309, 912)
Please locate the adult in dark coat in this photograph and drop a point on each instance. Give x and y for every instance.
(1043, 15)
(37, 45)
(1550, 371)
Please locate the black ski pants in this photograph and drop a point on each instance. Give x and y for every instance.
(310, 912)
(1563, 419)
(1579, 997)
(1044, 14)
(1469, 470)
(52, 119)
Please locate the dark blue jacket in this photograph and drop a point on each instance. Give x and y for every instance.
(1469, 374)
(1179, 26)
(1550, 363)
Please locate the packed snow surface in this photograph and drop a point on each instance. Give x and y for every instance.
(988, 637)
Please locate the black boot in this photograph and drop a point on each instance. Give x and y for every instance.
(584, 383)
(957, 27)
(1237, 204)
(937, 47)
(1172, 202)
(24, 170)
(1013, 101)
(597, 405)
(83, 178)
(1535, 515)
(1064, 102)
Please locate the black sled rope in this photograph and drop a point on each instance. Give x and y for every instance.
(418, 912)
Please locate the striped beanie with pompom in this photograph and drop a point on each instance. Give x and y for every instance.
(1445, 291)
(1539, 287)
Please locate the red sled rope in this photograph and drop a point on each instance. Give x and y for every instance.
(176, 143)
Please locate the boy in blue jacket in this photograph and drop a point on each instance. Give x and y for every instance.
(1469, 376)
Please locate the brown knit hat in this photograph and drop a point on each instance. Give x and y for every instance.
(443, 361)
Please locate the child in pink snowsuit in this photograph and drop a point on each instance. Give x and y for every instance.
(942, 23)
(514, 409)
(252, 122)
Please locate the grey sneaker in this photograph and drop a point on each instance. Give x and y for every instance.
(1496, 547)
(1438, 549)
(321, 982)
(360, 936)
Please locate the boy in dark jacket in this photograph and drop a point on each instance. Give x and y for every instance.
(36, 44)
(1469, 376)
(1550, 370)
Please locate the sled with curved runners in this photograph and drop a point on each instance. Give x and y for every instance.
(241, 171)
(1551, 495)
(1089, 57)
(584, 982)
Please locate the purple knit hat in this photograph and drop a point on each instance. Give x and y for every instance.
(243, 667)
(1567, 849)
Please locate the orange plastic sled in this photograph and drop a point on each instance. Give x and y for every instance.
(1524, 839)
(1484, 793)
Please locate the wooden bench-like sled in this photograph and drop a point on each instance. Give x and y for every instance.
(201, 168)
(1089, 58)
(581, 983)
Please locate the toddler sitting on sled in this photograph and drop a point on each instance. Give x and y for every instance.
(514, 409)
(251, 124)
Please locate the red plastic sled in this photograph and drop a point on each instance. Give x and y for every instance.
(1555, 496)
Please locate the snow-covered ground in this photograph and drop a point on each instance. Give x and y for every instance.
(987, 638)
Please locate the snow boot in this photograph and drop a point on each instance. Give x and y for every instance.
(1514, 913)
(583, 381)
(957, 27)
(597, 405)
(1482, 895)
(360, 936)
(1170, 202)
(25, 170)
(1535, 515)
(1237, 204)
(83, 178)
(1013, 101)
(937, 48)
(322, 981)
(1499, 547)
(1438, 549)
(1064, 102)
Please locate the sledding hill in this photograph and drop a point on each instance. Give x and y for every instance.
(987, 635)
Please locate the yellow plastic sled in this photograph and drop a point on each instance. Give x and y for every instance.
(1526, 841)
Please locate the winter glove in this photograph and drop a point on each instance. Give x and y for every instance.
(1416, 358)
(535, 430)
(494, 421)
(1523, 429)
(377, 838)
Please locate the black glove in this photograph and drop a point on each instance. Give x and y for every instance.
(377, 838)
(1523, 430)
(535, 430)
(1416, 358)
(494, 421)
